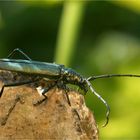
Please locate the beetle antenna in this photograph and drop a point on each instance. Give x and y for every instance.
(107, 106)
(112, 75)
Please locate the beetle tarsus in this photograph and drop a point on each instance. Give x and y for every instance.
(38, 102)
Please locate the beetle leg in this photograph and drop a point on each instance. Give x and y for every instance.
(16, 84)
(66, 89)
(4, 119)
(19, 51)
(45, 90)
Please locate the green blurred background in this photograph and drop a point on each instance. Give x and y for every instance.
(92, 37)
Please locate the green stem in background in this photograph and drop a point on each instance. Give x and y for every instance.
(68, 31)
(2, 47)
(1, 21)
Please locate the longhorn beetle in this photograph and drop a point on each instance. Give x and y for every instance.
(51, 72)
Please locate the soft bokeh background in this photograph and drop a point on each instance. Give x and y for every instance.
(92, 37)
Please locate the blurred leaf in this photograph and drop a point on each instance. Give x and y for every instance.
(116, 52)
(1, 21)
(41, 2)
(131, 4)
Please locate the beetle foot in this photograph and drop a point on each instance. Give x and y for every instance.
(38, 102)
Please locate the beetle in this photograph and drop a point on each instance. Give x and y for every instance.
(55, 74)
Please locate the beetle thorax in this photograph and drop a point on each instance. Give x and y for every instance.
(72, 77)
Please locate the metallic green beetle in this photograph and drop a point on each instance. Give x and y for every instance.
(52, 72)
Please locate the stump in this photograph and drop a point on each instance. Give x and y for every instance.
(52, 119)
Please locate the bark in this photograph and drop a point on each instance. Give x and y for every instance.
(52, 119)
